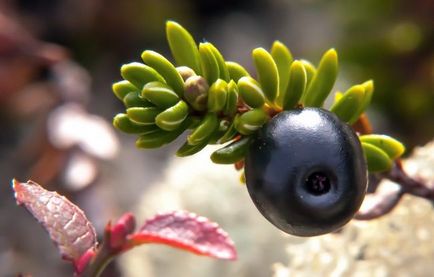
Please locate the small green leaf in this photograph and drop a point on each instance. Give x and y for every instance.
(283, 59)
(232, 99)
(166, 69)
(376, 158)
(230, 133)
(161, 137)
(251, 92)
(196, 92)
(209, 65)
(392, 147)
(310, 71)
(369, 89)
(161, 95)
(194, 121)
(217, 95)
(155, 139)
(122, 88)
(205, 129)
(183, 46)
(143, 115)
(219, 132)
(267, 73)
(133, 99)
(171, 118)
(139, 74)
(231, 153)
(236, 71)
(296, 85)
(187, 150)
(223, 70)
(338, 97)
(243, 177)
(349, 105)
(323, 80)
(249, 122)
(123, 123)
(369, 86)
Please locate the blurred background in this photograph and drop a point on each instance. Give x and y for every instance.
(58, 60)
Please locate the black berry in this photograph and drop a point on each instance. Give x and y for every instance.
(305, 172)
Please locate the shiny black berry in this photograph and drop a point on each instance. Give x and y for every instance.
(305, 172)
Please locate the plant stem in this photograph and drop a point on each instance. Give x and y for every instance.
(407, 185)
(104, 256)
(97, 266)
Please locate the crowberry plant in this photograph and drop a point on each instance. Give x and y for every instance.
(306, 167)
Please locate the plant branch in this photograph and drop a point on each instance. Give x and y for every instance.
(383, 203)
(104, 256)
(409, 184)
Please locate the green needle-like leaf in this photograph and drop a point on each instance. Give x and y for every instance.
(220, 132)
(161, 95)
(155, 139)
(230, 133)
(166, 69)
(139, 74)
(349, 105)
(133, 99)
(171, 118)
(223, 70)
(369, 89)
(283, 59)
(267, 73)
(232, 99)
(251, 92)
(323, 80)
(205, 129)
(249, 122)
(184, 48)
(338, 97)
(122, 88)
(377, 159)
(143, 115)
(231, 153)
(187, 150)
(392, 147)
(296, 85)
(236, 71)
(217, 95)
(123, 123)
(310, 71)
(369, 86)
(161, 137)
(209, 64)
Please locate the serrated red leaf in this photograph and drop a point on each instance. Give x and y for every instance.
(186, 231)
(66, 223)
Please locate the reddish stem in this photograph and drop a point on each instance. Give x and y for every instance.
(407, 185)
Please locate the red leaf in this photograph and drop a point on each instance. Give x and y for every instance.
(119, 232)
(186, 231)
(66, 224)
(81, 263)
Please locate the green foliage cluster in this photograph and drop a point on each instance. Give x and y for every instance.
(220, 102)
